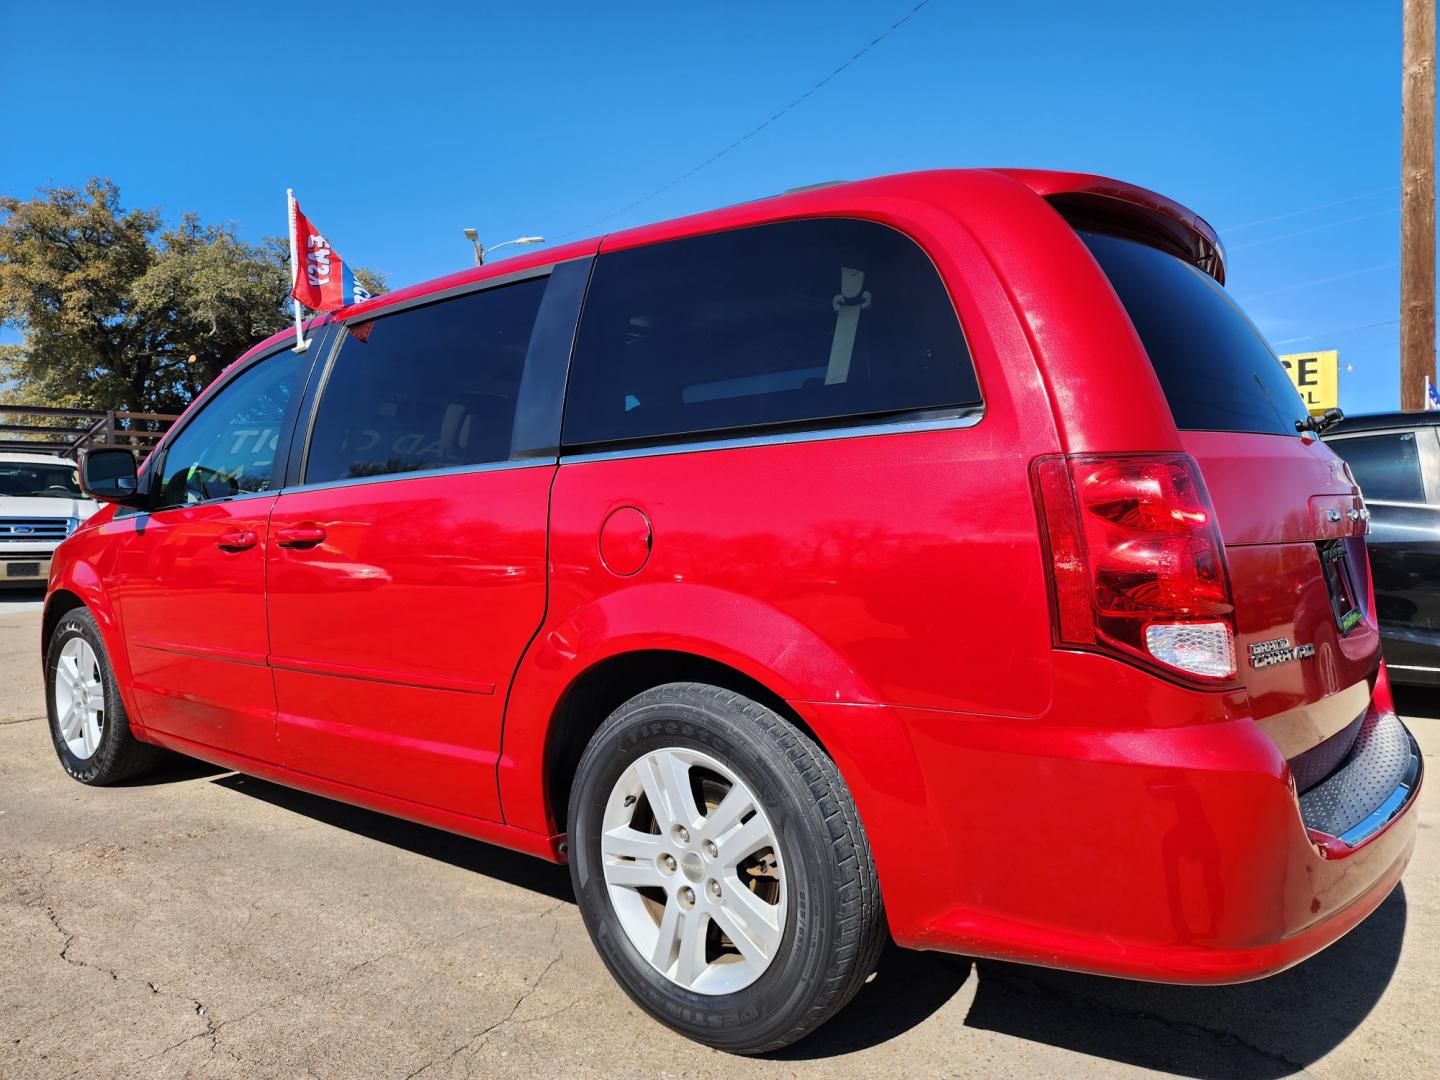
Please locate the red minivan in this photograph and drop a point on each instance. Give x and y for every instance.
(942, 557)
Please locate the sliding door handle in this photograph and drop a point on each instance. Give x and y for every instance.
(300, 536)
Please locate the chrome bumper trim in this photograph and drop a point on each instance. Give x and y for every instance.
(1393, 805)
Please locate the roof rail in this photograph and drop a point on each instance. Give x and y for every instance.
(813, 187)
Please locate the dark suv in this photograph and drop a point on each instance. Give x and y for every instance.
(1396, 461)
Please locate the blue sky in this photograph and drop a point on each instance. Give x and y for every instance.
(399, 125)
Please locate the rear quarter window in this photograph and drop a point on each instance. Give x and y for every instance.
(1217, 372)
(790, 324)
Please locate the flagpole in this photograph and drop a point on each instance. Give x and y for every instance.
(300, 343)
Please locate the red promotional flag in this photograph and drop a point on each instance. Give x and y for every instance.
(322, 280)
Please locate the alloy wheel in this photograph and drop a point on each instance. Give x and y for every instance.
(79, 698)
(694, 870)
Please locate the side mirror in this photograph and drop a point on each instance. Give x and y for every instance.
(107, 474)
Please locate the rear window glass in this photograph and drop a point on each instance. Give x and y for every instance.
(784, 324)
(1387, 467)
(1217, 372)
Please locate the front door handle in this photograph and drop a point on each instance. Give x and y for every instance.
(300, 536)
(236, 539)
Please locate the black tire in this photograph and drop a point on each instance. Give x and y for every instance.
(119, 755)
(834, 927)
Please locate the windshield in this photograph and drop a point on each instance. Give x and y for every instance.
(1217, 372)
(39, 480)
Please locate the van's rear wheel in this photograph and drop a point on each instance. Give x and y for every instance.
(88, 724)
(721, 868)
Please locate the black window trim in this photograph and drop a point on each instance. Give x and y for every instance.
(826, 430)
(815, 429)
(811, 430)
(155, 469)
(304, 432)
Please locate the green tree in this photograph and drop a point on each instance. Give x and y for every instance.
(117, 312)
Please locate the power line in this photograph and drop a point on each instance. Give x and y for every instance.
(753, 131)
(1248, 297)
(1311, 209)
(1336, 333)
(1314, 229)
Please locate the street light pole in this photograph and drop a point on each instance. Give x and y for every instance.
(481, 250)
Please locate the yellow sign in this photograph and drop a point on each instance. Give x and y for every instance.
(1317, 376)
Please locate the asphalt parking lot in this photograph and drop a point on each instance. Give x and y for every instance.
(200, 922)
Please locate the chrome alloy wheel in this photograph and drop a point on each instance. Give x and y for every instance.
(79, 698)
(694, 871)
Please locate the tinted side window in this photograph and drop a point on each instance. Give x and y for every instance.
(1215, 368)
(1387, 467)
(229, 447)
(770, 325)
(432, 387)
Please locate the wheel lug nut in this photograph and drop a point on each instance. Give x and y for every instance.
(711, 850)
(682, 834)
(687, 896)
(668, 862)
(714, 888)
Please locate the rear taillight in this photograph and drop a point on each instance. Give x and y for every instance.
(1137, 565)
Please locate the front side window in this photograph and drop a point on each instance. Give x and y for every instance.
(430, 387)
(229, 448)
(1387, 467)
(762, 327)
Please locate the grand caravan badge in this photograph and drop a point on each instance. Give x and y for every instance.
(1265, 654)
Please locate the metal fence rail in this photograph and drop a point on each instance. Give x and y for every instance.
(66, 432)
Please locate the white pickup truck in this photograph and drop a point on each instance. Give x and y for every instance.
(40, 505)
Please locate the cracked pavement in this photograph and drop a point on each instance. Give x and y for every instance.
(201, 923)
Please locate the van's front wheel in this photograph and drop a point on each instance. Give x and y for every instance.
(721, 868)
(88, 724)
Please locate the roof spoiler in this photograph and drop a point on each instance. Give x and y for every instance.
(1106, 205)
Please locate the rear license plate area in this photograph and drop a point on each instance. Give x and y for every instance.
(1340, 580)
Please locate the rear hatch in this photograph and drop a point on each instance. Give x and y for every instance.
(1290, 517)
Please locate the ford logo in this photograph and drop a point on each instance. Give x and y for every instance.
(21, 530)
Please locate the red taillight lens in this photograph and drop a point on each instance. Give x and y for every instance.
(1137, 562)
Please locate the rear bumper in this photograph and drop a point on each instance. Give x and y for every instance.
(1212, 963)
(1378, 782)
(1174, 854)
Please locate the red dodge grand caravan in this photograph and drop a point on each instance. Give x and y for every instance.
(940, 556)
